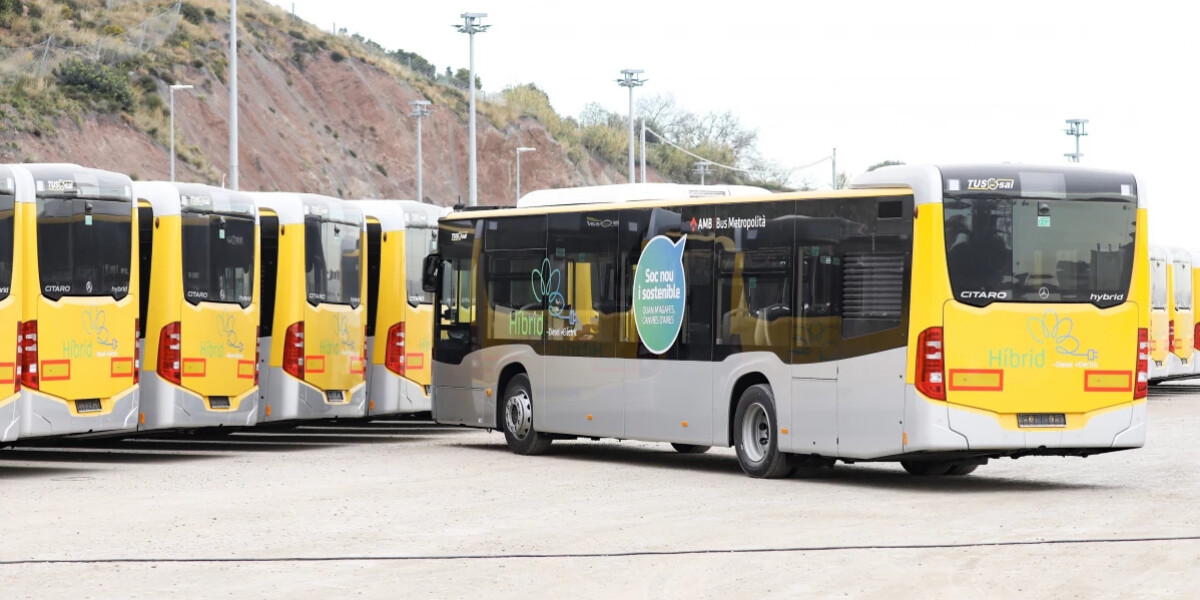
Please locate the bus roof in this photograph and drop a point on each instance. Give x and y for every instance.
(292, 208)
(63, 179)
(930, 183)
(168, 199)
(633, 192)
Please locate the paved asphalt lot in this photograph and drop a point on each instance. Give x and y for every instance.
(394, 509)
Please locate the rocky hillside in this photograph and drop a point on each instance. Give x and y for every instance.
(318, 113)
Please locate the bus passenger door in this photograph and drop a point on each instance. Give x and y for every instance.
(814, 359)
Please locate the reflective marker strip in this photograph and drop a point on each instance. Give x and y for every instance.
(314, 363)
(56, 370)
(245, 369)
(195, 367)
(1107, 381)
(121, 367)
(977, 380)
(414, 361)
(8, 372)
(357, 366)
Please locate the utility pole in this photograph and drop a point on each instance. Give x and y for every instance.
(233, 96)
(702, 168)
(1078, 128)
(520, 151)
(472, 25)
(631, 78)
(835, 179)
(172, 94)
(420, 112)
(643, 150)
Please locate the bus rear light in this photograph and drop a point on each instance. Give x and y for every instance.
(137, 350)
(1171, 335)
(1196, 337)
(1142, 384)
(169, 353)
(931, 364)
(394, 357)
(17, 367)
(27, 336)
(293, 350)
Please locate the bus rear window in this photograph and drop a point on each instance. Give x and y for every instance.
(419, 242)
(1183, 286)
(333, 254)
(218, 259)
(7, 218)
(1030, 250)
(84, 247)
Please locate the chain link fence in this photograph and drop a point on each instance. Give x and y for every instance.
(40, 60)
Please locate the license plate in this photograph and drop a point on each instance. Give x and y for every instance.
(1041, 420)
(219, 402)
(335, 397)
(88, 406)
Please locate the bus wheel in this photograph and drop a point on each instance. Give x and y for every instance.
(690, 448)
(927, 468)
(960, 470)
(754, 436)
(522, 438)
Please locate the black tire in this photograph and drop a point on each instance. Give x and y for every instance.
(690, 448)
(960, 469)
(755, 435)
(516, 418)
(926, 468)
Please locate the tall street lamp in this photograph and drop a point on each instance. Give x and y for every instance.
(233, 96)
(420, 112)
(471, 25)
(172, 94)
(631, 78)
(520, 151)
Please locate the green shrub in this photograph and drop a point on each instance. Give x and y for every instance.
(114, 30)
(154, 102)
(11, 8)
(337, 56)
(191, 13)
(383, 171)
(95, 81)
(210, 13)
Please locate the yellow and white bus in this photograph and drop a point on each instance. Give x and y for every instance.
(1159, 331)
(199, 310)
(10, 306)
(79, 352)
(1180, 319)
(938, 317)
(400, 234)
(313, 313)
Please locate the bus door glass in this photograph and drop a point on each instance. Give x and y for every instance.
(455, 333)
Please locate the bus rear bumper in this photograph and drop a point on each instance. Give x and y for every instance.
(391, 394)
(10, 418)
(289, 399)
(165, 406)
(43, 415)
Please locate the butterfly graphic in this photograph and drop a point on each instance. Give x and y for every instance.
(227, 330)
(344, 332)
(93, 324)
(1051, 328)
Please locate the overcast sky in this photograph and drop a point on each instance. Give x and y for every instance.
(930, 81)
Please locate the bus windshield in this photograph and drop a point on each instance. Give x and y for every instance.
(84, 247)
(1002, 249)
(218, 259)
(333, 252)
(419, 242)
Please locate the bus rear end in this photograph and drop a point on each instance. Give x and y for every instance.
(1029, 330)
(79, 359)
(10, 307)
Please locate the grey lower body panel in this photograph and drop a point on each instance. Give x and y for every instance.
(43, 415)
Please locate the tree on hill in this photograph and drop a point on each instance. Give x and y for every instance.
(886, 163)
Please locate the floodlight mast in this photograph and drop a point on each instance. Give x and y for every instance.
(631, 78)
(471, 25)
(420, 112)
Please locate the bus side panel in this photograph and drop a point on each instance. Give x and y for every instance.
(281, 393)
(584, 396)
(671, 400)
(10, 315)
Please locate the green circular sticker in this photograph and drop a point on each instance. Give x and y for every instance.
(659, 291)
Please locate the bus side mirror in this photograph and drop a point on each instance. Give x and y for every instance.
(431, 273)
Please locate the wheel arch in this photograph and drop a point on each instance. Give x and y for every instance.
(743, 383)
(507, 374)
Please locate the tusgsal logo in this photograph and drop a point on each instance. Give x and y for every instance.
(970, 295)
(458, 236)
(991, 184)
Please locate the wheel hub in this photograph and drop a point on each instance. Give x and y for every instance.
(756, 433)
(518, 414)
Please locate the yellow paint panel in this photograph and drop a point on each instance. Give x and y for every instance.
(56, 370)
(1110, 381)
(978, 380)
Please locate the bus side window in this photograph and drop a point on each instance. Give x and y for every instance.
(268, 227)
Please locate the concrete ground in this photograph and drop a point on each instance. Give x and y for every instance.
(390, 509)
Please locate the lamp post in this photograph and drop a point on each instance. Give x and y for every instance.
(631, 78)
(233, 96)
(420, 112)
(520, 151)
(172, 95)
(472, 25)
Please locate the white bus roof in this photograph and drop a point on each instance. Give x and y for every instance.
(396, 215)
(633, 192)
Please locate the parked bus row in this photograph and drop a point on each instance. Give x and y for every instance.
(1174, 274)
(938, 317)
(130, 306)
